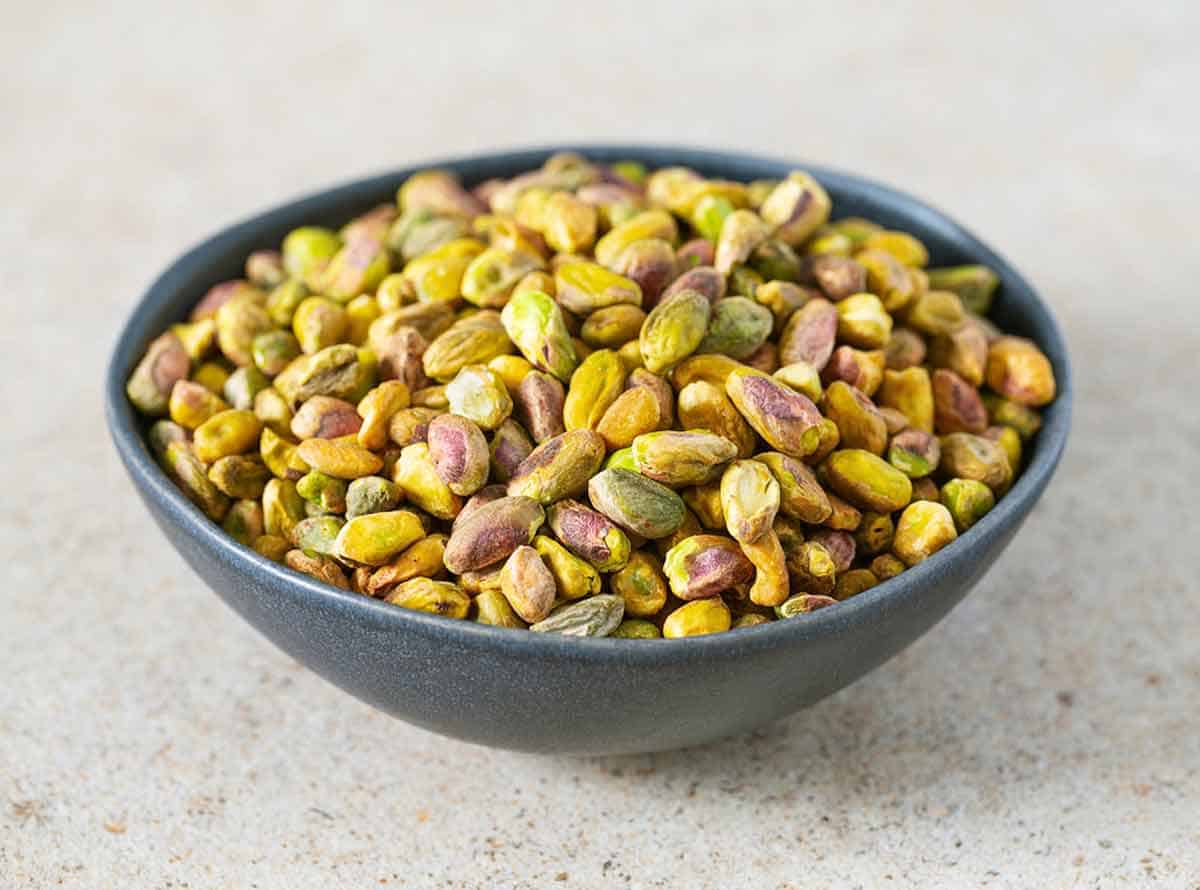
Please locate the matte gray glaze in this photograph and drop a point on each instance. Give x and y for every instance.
(541, 692)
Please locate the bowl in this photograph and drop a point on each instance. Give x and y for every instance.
(549, 693)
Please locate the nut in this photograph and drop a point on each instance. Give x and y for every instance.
(809, 334)
(370, 494)
(678, 458)
(811, 569)
(583, 287)
(437, 597)
(963, 351)
(867, 480)
(439, 192)
(862, 370)
(699, 617)
(650, 264)
(320, 567)
(886, 566)
(324, 417)
(410, 425)
(802, 604)
(527, 584)
(635, 503)
(796, 207)
(636, 629)
(575, 578)
(905, 349)
(915, 453)
(190, 404)
(1025, 420)
(749, 499)
(741, 232)
(595, 385)
(800, 494)
(474, 340)
(534, 322)
(509, 449)
(802, 377)
(674, 329)
(375, 538)
(181, 464)
(771, 581)
(150, 385)
(924, 528)
(341, 458)
(648, 224)
(782, 298)
(859, 423)
(968, 456)
(478, 394)
(240, 476)
(910, 392)
(703, 566)
(968, 501)
(975, 285)
(705, 503)
(377, 408)
(317, 535)
(935, 312)
(559, 468)
(774, 260)
(703, 279)
(838, 276)
(596, 616)
(244, 522)
(459, 453)
(226, 433)
(887, 277)
(738, 326)
(239, 321)
(874, 533)
(589, 535)
(901, 245)
(957, 407)
(863, 322)
(1019, 371)
(417, 476)
(538, 405)
(491, 277)
(787, 420)
(492, 533)
(641, 584)
(841, 546)
(336, 371)
(612, 327)
(492, 608)
(282, 507)
(705, 406)
(324, 492)
(511, 369)
(635, 412)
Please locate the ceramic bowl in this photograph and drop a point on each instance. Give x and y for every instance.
(543, 692)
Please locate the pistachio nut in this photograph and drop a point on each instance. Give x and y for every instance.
(636, 503)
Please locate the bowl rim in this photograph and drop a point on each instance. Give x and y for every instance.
(874, 603)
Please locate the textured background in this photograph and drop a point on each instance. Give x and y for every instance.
(1044, 735)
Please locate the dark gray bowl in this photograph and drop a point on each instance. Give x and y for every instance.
(541, 692)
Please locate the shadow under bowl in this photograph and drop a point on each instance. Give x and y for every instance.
(544, 692)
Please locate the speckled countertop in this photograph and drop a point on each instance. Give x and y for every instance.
(1044, 735)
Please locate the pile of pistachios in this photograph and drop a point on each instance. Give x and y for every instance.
(596, 400)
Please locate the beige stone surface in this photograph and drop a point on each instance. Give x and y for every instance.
(1045, 735)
